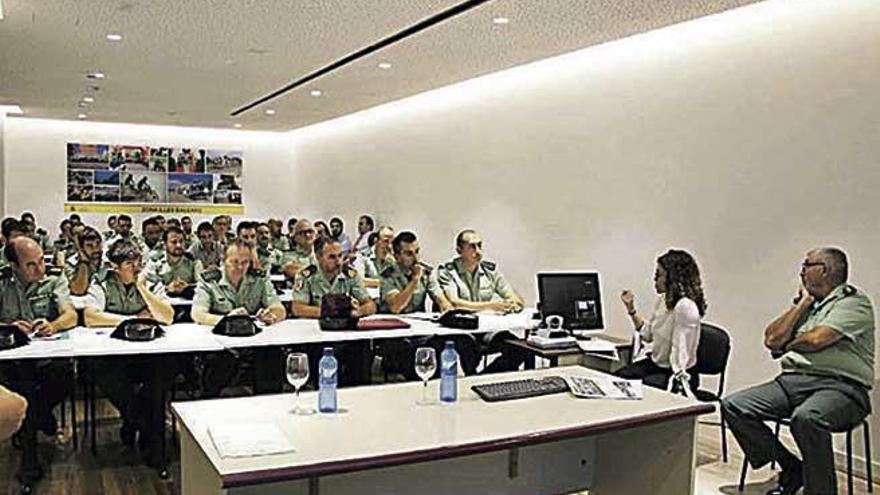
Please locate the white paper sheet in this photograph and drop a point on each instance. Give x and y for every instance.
(248, 439)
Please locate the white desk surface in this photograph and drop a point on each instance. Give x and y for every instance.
(181, 337)
(381, 425)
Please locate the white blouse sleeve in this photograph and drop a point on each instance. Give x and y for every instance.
(646, 331)
(685, 333)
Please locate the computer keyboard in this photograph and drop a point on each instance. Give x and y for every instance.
(520, 389)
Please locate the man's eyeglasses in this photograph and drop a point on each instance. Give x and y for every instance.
(305, 232)
(807, 264)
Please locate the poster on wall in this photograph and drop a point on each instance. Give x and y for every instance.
(128, 178)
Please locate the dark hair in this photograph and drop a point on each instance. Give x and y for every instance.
(321, 242)
(244, 225)
(123, 250)
(338, 220)
(65, 221)
(203, 226)
(186, 217)
(76, 216)
(291, 222)
(10, 252)
(89, 234)
(123, 217)
(150, 221)
(682, 279)
(322, 223)
(171, 230)
(111, 217)
(838, 266)
(399, 239)
(459, 239)
(372, 238)
(10, 225)
(370, 221)
(27, 214)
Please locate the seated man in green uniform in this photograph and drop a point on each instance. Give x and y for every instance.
(381, 257)
(10, 229)
(206, 249)
(470, 282)
(826, 343)
(38, 304)
(87, 264)
(151, 229)
(267, 254)
(238, 291)
(177, 270)
(301, 253)
(123, 293)
(330, 276)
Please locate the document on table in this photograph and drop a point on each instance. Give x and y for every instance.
(248, 439)
(604, 387)
(600, 348)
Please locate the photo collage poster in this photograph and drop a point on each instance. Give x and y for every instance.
(115, 173)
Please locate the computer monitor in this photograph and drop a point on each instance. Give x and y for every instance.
(574, 296)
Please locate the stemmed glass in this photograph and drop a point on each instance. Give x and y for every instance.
(297, 376)
(426, 365)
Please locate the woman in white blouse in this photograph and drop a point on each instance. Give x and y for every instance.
(674, 325)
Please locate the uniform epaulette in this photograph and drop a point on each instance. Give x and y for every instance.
(488, 265)
(211, 275)
(257, 272)
(308, 271)
(388, 271)
(449, 265)
(350, 272)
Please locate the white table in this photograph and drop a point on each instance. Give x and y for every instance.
(385, 443)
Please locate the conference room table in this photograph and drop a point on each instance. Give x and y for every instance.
(382, 441)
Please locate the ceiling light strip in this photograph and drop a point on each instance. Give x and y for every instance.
(363, 52)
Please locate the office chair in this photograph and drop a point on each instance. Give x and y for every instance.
(713, 352)
(869, 481)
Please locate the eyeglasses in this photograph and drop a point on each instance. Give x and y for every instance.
(808, 264)
(305, 232)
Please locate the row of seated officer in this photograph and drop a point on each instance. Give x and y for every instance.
(39, 303)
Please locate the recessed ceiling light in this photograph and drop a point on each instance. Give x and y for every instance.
(385, 65)
(81, 116)
(316, 92)
(95, 75)
(269, 111)
(501, 20)
(88, 99)
(82, 104)
(114, 37)
(236, 125)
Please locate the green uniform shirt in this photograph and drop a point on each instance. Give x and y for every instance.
(299, 256)
(187, 269)
(311, 285)
(281, 243)
(394, 281)
(217, 295)
(211, 258)
(486, 284)
(270, 258)
(849, 311)
(44, 298)
(374, 266)
(109, 294)
(72, 266)
(188, 240)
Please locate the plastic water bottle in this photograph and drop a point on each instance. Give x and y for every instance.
(448, 373)
(327, 380)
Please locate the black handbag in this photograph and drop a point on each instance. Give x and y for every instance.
(12, 337)
(138, 330)
(237, 326)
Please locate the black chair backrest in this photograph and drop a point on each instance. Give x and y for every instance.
(713, 350)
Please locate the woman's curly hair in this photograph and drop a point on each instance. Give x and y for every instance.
(682, 279)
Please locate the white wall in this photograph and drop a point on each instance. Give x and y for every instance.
(746, 138)
(35, 152)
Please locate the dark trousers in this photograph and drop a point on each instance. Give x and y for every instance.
(53, 383)
(398, 355)
(511, 357)
(816, 406)
(653, 375)
(220, 368)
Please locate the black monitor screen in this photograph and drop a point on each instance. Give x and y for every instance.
(574, 296)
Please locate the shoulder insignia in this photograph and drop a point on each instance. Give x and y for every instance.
(257, 272)
(388, 271)
(308, 271)
(449, 265)
(211, 275)
(350, 272)
(488, 265)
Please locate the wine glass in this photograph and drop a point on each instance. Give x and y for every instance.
(297, 376)
(426, 365)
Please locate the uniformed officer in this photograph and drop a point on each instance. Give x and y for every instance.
(186, 224)
(382, 257)
(38, 304)
(237, 290)
(302, 253)
(64, 246)
(330, 276)
(221, 225)
(111, 228)
(87, 264)
(246, 231)
(10, 228)
(267, 254)
(177, 269)
(475, 284)
(205, 248)
(123, 231)
(280, 241)
(29, 222)
(151, 229)
(408, 282)
(120, 294)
